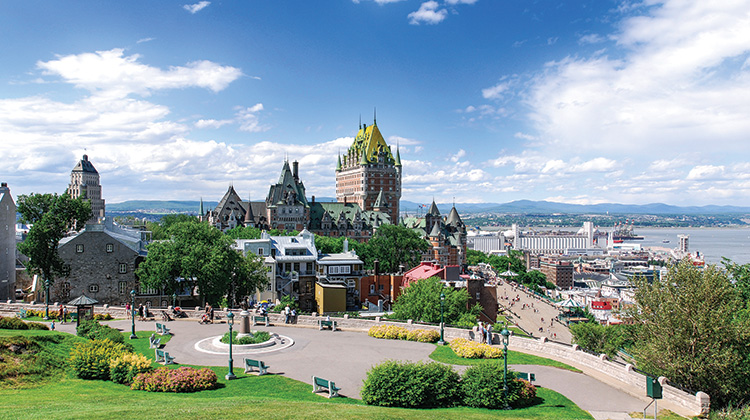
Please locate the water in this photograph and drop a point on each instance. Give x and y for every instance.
(712, 243)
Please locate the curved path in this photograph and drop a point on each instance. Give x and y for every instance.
(346, 356)
(529, 319)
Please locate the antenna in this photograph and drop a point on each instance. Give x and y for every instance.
(374, 116)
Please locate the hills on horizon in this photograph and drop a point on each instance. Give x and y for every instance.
(518, 206)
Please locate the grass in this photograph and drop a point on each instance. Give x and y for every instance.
(444, 354)
(502, 319)
(268, 396)
(663, 415)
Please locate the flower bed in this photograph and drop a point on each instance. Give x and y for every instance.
(473, 350)
(183, 379)
(395, 332)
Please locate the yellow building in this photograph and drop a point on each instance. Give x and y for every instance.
(330, 297)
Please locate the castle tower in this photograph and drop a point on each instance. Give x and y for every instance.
(84, 183)
(367, 170)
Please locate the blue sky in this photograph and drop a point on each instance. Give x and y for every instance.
(489, 100)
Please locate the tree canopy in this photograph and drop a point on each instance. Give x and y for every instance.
(203, 257)
(695, 331)
(514, 262)
(392, 246)
(52, 216)
(420, 301)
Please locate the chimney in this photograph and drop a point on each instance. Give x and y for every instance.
(313, 199)
(376, 266)
(295, 170)
(346, 245)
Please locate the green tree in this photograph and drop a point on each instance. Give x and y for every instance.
(475, 257)
(598, 338)
(693, 333)
(420, 301)
(52, 216)
(394, 245)
(159, 230)
(242, 232)
(329, 244)
(204, 258)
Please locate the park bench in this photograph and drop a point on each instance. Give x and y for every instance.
(251, 365)
(165, 316)
(153, 342)
(163, 357)
(162, 329)
(327, 324)
(259, 319)
(22, 313)
(526, 376)
(320, 383)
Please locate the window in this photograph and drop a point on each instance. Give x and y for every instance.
(79, 248)
(123, 287)
(110, 248)
(260, 252)
(123, 268)
(93, 288)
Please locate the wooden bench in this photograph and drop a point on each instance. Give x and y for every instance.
(251, 365)
(526, 376)
(257, 319)
(163, 357)
(327, 324)
(153, 342)
(22, 313)
(162, 329)
(320, 383)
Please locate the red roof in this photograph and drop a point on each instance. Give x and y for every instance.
(602, 306)
(424, 270)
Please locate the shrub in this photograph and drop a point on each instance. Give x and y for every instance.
(37, 326)
(395, 332)
(91, 360)
(411, 385)
(12, 323)
(183, 379)
(258, 337)
(96, 331)
(102, 317)
(124, 368)
(482, 387)
(473, 350)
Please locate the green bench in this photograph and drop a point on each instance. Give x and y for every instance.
(526, 376)
(321, 384)
(163, 357)
(327, 324)
(260, 319)
(153, 342)
(22, 313)
(251, 365)
(162, 329)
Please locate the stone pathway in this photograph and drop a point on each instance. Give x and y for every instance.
(530, 320)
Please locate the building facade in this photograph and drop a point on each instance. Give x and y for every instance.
(369, 175)
(447, 236)
(7, 244)
(84, 182)
(558, 271)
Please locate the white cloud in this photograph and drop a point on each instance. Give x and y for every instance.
(112, 74)
(142, 40)
(248, 119)
(706, 172)
(461, 153)
(496, 92)
(591, 39)
(428, 13)
(455, 2)
(197, 7)
(211, 123)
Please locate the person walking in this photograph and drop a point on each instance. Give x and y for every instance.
(489, 334)
(140, 312)
(287, 313)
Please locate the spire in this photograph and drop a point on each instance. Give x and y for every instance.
(338, 167)
(453, 218)
(201, 209)
(435, 230)
(249, 218)
(433, 210)
(360, 121)
(398, 157)
(374, 116)
(380, 201)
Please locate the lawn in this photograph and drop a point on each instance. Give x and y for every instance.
(444, 354)
(268, 396)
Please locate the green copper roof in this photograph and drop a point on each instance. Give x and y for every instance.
(369, 147)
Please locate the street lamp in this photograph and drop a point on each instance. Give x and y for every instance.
(46, 298)
(132, 315)
(230, 321)
(506, 337)
(442, 321)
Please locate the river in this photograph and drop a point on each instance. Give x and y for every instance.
(712, 243)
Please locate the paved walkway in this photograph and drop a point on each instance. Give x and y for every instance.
(346, 356)
(530, 318)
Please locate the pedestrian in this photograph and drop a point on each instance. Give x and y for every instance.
(294, 316)
(489, 334)
(140, 312)
(65, 314)
(127, 310)
(211, 313)
(52, 325)
(60, 313)
(287, 313)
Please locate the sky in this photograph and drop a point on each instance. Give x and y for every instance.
(587, 101)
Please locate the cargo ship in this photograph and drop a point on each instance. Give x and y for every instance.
(624, 232)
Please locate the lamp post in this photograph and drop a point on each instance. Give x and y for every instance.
(506, 336)
(442, 320)
(132, 315)
(46, 298)
(230, 321)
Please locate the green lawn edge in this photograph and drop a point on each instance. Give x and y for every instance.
(269, 396)
(444, 354)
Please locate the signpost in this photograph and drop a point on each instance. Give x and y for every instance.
(653, 390)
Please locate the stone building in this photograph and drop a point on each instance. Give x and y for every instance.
(7, 243)
(558, 271)
(446, 235)
(369, 175)
(84, 182)
(339, 270)
(102, 259)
